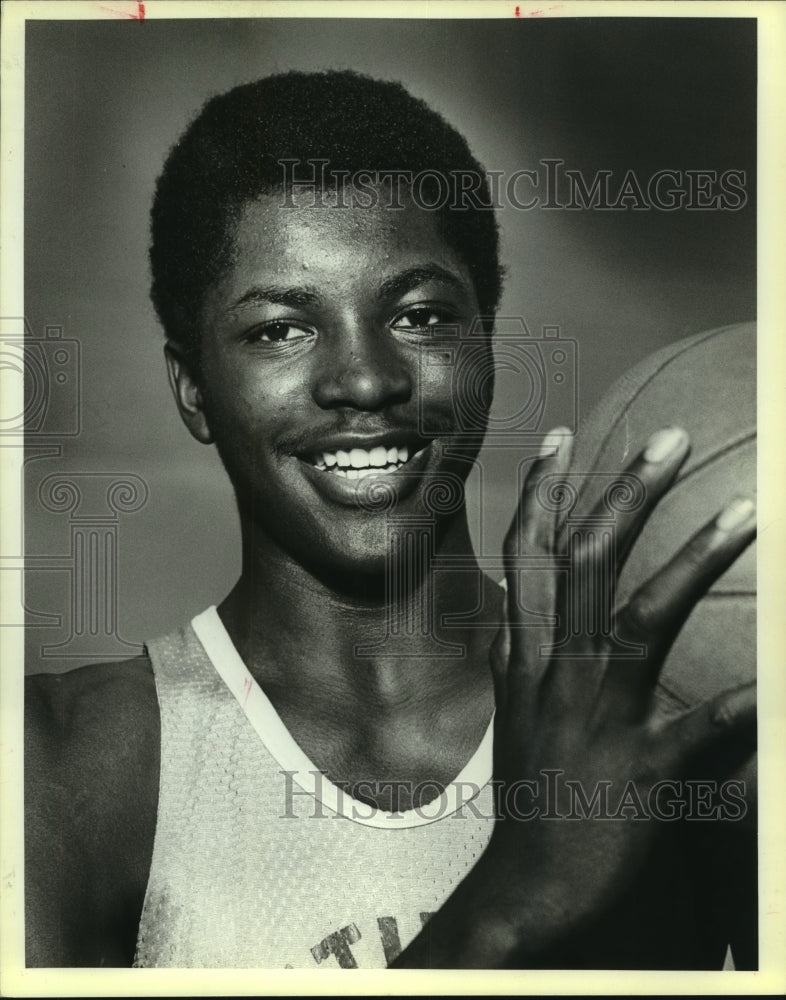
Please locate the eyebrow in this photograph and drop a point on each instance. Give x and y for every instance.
(293, 297)
(399, 284)
(296, 297)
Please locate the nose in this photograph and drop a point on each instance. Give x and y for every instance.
(361, 370)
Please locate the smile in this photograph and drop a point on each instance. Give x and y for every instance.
(358, 462)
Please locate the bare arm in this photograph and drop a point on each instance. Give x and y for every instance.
(91, 769)
(51, 862)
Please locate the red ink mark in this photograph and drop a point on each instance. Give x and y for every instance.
(139, 16)
(535, 13)
(247, 684)
(518, 12)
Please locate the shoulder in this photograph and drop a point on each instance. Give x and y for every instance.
(91, 790)
(58, 706)
(93, 730)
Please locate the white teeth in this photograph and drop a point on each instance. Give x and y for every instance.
(358, 462)
(359, 473)
(358, 458)
(349, 473)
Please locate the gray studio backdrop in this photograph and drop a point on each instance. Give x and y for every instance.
(128, 520)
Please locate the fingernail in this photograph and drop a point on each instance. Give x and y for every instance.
(736, 514)
(663, 443)
(552, 441)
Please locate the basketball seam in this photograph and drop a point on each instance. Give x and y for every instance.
(653, 375)
(709, 459)
(665, 690)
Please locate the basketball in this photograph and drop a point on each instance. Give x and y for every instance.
(707, 385)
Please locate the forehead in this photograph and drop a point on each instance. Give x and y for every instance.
(285, 236)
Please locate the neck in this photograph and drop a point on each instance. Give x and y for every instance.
(300, 634)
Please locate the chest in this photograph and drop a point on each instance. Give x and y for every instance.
(395, 762)
(256, 864)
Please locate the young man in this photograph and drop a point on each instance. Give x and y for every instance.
(314, 774)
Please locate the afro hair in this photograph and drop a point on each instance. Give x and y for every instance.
(232, 153)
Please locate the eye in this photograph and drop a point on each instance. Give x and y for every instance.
(277, 332)
(422, 318)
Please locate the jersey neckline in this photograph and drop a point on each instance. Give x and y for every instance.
(275, 736)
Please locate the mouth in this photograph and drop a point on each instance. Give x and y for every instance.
(335, 466)
(354, 463)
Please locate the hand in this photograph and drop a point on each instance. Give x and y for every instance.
(582, 716)
(584, 719)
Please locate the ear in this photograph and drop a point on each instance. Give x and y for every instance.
(187, 393)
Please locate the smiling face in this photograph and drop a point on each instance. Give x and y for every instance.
(311, 379)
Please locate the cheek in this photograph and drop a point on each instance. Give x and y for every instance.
(246, 401)
(459, 381)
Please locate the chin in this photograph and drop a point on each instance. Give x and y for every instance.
(360, 562)
(366, 552)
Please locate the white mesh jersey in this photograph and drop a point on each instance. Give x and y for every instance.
(259, 861)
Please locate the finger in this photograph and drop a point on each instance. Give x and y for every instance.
(729, 718)
(528, 555)
(535, 520)
(659, 609)
(642, 485)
